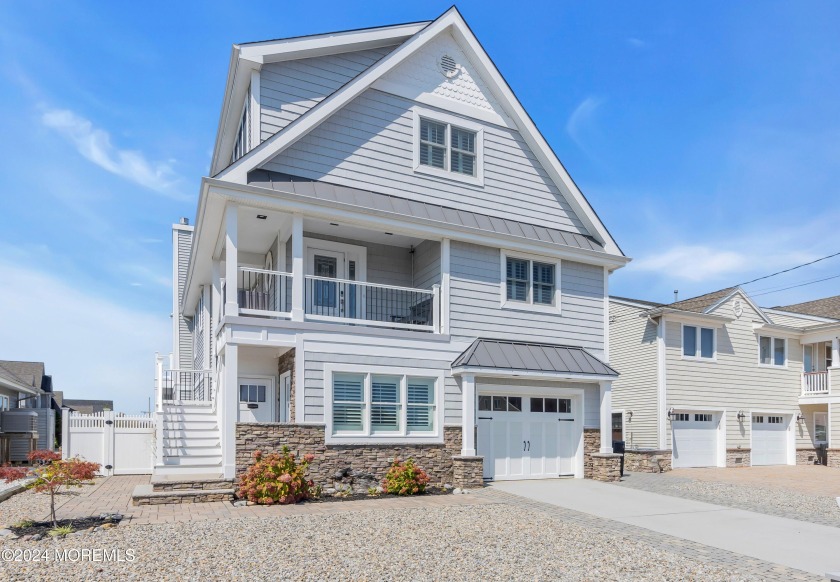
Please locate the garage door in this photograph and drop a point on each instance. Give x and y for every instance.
(695, 437)
(522, 437)
(769, 439)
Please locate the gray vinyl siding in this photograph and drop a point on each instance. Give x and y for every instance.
(633, 354)
(475, 302)
(291, 88)
(370, 142)
(426, 264)
(314, 381)
(185, 326)
(46, 428)
(734, 381)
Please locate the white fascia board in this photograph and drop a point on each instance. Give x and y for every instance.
(630, 303)
(803, 316)
(11, 385)
(823, 333)
(237, 172)
(746, 298)
(503, 373)
(410, 225)
(689, 316)
(275, 51)
(782, 330)
(236, 85)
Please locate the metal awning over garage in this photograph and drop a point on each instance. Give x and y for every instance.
(488, 355)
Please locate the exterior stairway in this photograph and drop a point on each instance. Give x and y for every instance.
(191, 441)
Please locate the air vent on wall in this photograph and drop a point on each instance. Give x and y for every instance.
(448, 66)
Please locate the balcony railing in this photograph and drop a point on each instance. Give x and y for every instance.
(359, 302)
(264, 292)
(815, 383)
(185, 385)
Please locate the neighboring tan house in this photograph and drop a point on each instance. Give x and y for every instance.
(718, 381)
(388, 261)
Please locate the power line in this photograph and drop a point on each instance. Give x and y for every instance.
(795, 286)
(789, 270)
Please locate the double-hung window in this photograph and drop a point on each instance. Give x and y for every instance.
(381, 406)
(772, 351)
(449, 147)
(698, 342)
(530, 281)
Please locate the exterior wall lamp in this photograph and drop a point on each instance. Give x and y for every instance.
(670, 414)
(629, 414)
(741, 416)
(800, 417)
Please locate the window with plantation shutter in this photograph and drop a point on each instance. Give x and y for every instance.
(348, 402)
(448, 147)
(530, 282)
(433, 144)
(385, 404)
(420, 411)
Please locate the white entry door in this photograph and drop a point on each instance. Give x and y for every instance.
(522, 437)
(695, 439)
(256, 400)
(769, 439)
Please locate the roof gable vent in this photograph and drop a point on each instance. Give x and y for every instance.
(448, 66)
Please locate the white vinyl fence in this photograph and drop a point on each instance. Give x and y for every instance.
(122, 445)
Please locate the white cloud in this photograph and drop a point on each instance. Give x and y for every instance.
(636, 42)
(581, 117)
(95, 145)
(693, 263)
(93, 347)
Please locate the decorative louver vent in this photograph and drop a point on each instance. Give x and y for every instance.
(448, 66)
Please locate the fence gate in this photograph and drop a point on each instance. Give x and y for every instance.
(122, 445)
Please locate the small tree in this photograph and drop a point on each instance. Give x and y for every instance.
(52, 475)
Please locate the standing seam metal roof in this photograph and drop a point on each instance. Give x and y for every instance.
(531, 357)
(403, 206)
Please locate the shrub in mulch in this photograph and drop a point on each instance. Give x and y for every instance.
(405, 478)
(277, 479)
(44, 529)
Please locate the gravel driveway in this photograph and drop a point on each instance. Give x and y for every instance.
(472, 542)
(771, 501)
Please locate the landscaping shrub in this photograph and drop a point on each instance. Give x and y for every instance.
(277, 478)
(43, 456)
(405, 478)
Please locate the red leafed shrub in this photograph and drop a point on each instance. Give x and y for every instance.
(276, 478)
(43, 456)
(405, 478)
(53, 475)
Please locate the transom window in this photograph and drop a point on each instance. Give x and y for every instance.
(500, 403)
(251, 393)
(772, 351)
(530, 281)
(377, 404)
(698, 342)
(774, 420)
(702, 418)
(758, 419)
(681, 416)
(447, 147)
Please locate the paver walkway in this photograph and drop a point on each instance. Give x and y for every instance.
(113, 495)
(808, 479)
(776, 540)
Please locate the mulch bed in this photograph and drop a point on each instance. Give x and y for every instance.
(78, 524)
(359, 496)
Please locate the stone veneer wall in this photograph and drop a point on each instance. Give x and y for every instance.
(833, 458)
(468, 472)
(738, 457)
(287, 364)
(606, 467)
(373, 459)
(647, 460)
(591, 445)
(807, 456)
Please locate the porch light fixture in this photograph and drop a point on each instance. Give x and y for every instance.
(741, 415)
(629, 414)
(670, 413)
(262, 216)
(800, 417)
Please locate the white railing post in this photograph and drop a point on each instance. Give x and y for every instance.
(436, 307)
(158, 382)
(231, 259)
(65, 432)
(297, 268)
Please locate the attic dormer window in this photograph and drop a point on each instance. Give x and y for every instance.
(450, 147)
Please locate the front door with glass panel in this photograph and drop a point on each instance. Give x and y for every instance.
(256, 400)
(324, 297)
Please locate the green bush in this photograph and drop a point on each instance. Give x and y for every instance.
(277, 478)
(405, 478)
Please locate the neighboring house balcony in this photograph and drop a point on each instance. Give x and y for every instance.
(304, 270)
(822, 376)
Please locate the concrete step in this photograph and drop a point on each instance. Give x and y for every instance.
(191, 451)
(190, 441)
(199, 481)
(146, 495)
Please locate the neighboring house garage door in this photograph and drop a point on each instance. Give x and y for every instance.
(695, 437)
(523, 437)
(769, 439)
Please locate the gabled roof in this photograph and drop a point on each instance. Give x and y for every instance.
(453, 21)
(22, 375)
(406, 207)
(702, 303)
(826, 307)
(531, 357)
(638, 301)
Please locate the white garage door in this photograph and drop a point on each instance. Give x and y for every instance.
(769, 439)
(523, 437)
(695, 437)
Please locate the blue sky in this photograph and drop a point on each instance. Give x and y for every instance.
(707, 138)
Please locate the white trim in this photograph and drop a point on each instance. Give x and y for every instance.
(256, 118)
(720, 454)
(351, 253)
(449, 121)
(436, 437)
(284, 397)
(698, 349)
(529, 304)
(300, 380)
(814, 420)
(746, 298)
(432, 100)
(623, 414)
(606, 316)
(800, 315)
(661, 384)
(509, 373)
(631, 303)
(270, 383)
(773, 340)
(445, 284)
(451, 19)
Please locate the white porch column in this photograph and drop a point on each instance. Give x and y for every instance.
(444, 285)
(65, 432)
(468, 416)
(217, 293)
(229, 407)
(606, 416)
(231, 260)
(297, 268)
(835, 352)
